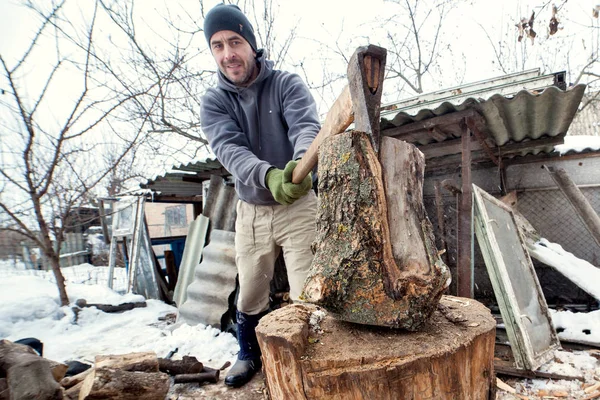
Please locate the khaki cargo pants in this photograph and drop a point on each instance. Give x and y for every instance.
(261, 233)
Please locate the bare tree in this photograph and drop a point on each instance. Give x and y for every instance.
(172, 65)
(552, 36)
(55, 132)
(415, 41)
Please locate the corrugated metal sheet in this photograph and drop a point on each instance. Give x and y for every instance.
(192, 254)
(214, 281)
(508, 119)
(220, 204)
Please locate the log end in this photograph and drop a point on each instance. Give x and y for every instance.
(321, 357)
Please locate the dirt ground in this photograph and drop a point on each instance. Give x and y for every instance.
(254, 390)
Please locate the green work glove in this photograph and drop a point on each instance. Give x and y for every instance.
(274, 180)
(293, 190)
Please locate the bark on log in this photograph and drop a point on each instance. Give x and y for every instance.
(3, 389)
(308, 354)
(376, 262)
(70, 381)
(212, 377)
(187, 365)
(28, 375)
(116, 384)
(143, 362)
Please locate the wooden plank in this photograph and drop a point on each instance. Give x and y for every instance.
(465, 225)
(478, 155)
(424, 126)
(481, 140)
(580, 203)
(506, 368)
(447, 148)
(439, 206)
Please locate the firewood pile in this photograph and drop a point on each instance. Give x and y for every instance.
(26, 375)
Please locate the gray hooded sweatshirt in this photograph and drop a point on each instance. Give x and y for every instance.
(264, 125)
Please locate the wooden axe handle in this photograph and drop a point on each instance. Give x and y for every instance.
(338, 119)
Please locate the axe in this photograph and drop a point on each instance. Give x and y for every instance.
(358, 103)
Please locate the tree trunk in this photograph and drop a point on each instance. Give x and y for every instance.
(116, 384)
(308, 354)
(60, 279)
(376, 262)
(28, 375)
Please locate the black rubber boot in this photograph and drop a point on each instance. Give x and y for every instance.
(248, 362)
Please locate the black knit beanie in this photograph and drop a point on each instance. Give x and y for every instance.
(228, 17)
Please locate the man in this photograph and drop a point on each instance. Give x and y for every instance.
(258, 121)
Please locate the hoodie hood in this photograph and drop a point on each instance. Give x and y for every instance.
(265, 69)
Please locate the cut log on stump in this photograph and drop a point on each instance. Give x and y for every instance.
(304, 358)
(376, 262)
(116, 384)
(28, 375)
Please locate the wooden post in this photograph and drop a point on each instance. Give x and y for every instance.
(582, 206)
(464, 247)
(439, 206)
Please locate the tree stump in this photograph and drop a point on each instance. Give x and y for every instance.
(308, 354)
(375, 257)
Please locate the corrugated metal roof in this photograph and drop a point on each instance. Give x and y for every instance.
(185, 180)
(522, 114)
(525, 116)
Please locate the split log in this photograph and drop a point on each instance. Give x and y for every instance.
(376, 262)
(72, 393)
(108, 308)
(210, 376)
(28, 375)
(187, 365)
(115, 384)
(308, 354)
(143, 362)
(75, 379)
(58, 370)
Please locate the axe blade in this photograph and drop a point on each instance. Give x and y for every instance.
(366, 71)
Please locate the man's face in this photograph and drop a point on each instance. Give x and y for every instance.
(234, 56)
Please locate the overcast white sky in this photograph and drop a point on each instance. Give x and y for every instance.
(325, 21)
(466, 54)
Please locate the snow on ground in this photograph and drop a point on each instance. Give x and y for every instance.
(30, 307)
